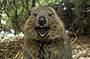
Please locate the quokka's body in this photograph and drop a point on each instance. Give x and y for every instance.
(45, 37)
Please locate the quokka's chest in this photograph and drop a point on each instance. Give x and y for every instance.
(46, 51)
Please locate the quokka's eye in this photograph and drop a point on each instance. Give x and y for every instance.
(35, 15)
(50, 15)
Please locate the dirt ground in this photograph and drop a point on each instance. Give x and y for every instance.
(81, 48)
(9, 49)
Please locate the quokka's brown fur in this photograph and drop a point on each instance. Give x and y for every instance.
(54, 46)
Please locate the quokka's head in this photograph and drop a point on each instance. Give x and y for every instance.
(43, 23)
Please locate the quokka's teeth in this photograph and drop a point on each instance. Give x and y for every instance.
(42, 35)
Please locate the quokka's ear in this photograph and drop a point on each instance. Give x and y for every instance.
(33, 9)
(53, 10)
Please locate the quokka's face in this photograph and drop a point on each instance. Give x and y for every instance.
(43, 21)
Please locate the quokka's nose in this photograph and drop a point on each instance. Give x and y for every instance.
(41, 21)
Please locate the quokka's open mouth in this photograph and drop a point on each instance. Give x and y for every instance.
(42, 31)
